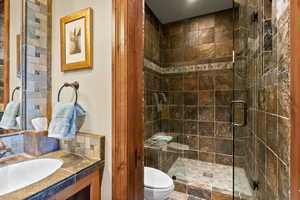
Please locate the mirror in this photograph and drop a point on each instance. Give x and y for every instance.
(36, 71)
(10, 61)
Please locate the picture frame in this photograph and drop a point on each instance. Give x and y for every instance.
(76, 40)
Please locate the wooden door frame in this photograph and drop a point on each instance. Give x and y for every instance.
(128, 100)
(295, 97)
(6, 39)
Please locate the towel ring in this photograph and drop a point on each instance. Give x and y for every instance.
(74, 85)
(14, 91)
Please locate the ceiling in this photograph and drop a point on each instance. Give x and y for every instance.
(175, 10)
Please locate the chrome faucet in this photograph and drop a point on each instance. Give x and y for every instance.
(3, 149)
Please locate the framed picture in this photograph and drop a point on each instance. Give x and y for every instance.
(76, 41)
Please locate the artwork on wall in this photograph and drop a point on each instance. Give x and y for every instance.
(76, 41)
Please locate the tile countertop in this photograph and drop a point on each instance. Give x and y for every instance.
(75, 167)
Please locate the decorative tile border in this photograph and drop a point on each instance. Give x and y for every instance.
(189, 68)
(86, 144)
(151, 65)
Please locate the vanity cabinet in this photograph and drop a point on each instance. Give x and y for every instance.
(87, 188)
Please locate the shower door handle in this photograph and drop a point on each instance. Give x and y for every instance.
(245, 110)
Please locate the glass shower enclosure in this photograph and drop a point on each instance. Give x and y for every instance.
(197, 103)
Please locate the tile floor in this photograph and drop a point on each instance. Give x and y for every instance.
(207, 181)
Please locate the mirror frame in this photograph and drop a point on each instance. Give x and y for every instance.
(6, 57)
(6, 9)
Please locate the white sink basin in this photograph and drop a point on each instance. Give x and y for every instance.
(17, 176)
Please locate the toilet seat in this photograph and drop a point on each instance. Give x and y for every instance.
(156, 179)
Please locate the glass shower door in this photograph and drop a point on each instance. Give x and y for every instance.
(243, 98)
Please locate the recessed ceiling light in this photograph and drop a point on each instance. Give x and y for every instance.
(191, 1)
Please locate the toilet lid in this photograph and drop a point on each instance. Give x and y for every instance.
(156, 179)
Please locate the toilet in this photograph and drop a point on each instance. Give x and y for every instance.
(157, 184)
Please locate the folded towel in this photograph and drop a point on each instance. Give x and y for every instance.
(63, 123)
(158, 104)
(177, 146)
(18, 119)
(11, 112)
(162, 138)
(164, 97)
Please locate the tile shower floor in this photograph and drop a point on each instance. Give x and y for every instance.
(206, 180)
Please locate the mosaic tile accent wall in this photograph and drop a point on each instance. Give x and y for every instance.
(38, 66)
(263, 52)
(89, 145)
(15, 142)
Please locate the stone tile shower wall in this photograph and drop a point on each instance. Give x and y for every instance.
(152, 115)
(263, 49)
(38, 66)
(194, 70)
(153, 33)
(204, 39)
(152, 77)
(199, 108)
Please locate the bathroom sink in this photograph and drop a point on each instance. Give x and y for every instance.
(19, 175)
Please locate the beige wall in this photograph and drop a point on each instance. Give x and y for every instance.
(15, 29)
(95, 93)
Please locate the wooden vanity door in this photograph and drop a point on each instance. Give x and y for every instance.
(92, 181)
